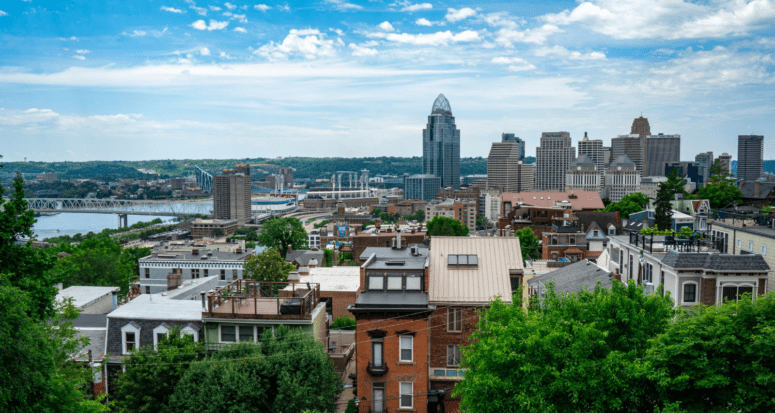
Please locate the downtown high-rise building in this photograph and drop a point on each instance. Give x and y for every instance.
(553, 158)
(441, 144)
(750, 157)
(231, 197)
(658, 150)
(705, 161)
(505, 167)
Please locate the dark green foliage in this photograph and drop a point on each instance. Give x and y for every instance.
(571, 353)
(629, 204)
(151, 375)
(343, 323)
(528, 243)
(280, 233)
(290, 372)
(445, 226)
(268, 266)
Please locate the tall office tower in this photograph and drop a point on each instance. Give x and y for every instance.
(750, 161)
(243, 168)
(630, 145)
(505, 168)
(621, 178)
(705, 161)
(595, 151)
(441, 144)
(640, 127)
(658, 150)
(509, 137)
(553, 158)
(725, 160)
(583, 175)
(231, 197)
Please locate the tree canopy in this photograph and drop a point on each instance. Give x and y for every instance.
(528, 243)
(279, 233)
(629, 204)
(268, 266)
(446, 226)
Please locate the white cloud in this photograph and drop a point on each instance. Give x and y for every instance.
(386, 26)
(423, 22)
(204, 51)
(240, 29)
(214, 25)
(82, 51)
(343, 5)
(230, 6)
(362, 51)
(430, 39)
(172, 10)
(2, 13)
(79, 57)
(262, 7)
(461, 14)
(515, 64)
(669, 19)
(416, 7)
(309, 43)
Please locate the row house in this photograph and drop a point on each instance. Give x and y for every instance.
(693, 271)
(416, 309)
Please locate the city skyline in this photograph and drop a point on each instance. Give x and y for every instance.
(188, 79)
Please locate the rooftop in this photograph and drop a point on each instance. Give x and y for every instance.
(497, 258)
(84, 295)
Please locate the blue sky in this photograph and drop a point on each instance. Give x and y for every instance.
(160, 79)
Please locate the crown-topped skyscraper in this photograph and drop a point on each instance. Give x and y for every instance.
(441, 144)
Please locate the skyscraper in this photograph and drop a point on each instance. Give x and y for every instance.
(658, 150)
(231, 197)
(509, 137)
(553, 158)
(750, 157)
(595, 151)
(505, 169)
(630, 145)
(441, 144)
(705, 161)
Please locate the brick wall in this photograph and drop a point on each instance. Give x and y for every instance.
(708, 294)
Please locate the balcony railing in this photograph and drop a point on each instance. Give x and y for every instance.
(377, 370)
(263, 300)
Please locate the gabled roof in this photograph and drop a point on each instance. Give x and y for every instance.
(474, 284)
(579, 199)
(715, 262)
(573, 277)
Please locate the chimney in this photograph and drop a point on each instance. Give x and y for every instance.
(617, 275)
(756, 186)
(114, 297)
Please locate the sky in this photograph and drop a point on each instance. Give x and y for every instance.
(172, 79)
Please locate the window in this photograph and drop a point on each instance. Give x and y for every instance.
(690, 292)
(233, 275)
(764, 250)
(378, 397)
(228, 334)
(376, 282)
(735, 292)
(394, 283)
(454, 320)
(246, 333)
(413, 282)
(223, 275)
(405, 347)
(406, 395)
(750, 246)
(377, 348)
(453, 355)
(147, 273)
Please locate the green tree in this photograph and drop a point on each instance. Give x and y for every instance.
(718, 358)
(528, 243)
(280, 233)
(288, 372)
(629, 204)
(570, 353)
(151, 375)
(268, 266)
(98, 261)
(445, 226)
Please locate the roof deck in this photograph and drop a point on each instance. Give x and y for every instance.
(253, 299)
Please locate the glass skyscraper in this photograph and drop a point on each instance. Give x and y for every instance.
(441, 144)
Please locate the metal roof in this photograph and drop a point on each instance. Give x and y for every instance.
(473, 284)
